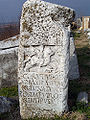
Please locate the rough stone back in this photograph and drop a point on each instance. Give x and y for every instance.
(43, 61)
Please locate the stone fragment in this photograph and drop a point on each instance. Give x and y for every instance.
(6, 104)
(43, 59)
(11, 42)
(74, 69)
(8, 61)
(82, 97)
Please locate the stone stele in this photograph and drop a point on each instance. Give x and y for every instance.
(43, 59)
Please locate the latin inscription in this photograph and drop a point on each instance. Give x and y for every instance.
(41, 88)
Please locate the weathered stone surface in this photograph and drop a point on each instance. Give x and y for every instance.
(36, 15)
(73, 69)
(43, 62)
(8, 62)
(82, 97)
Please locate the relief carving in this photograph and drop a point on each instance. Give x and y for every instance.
(38, 56)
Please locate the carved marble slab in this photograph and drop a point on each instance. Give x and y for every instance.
(43, 60)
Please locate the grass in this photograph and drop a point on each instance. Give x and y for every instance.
(76, 35)
(83, 53)
(9, 92)
(82, 84)
(3, 116)
(82, 108)
(75, 87)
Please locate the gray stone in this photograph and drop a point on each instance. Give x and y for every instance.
(8, 61)
(43, 59)
(73, 70)
(82, 97)
(6, 104)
